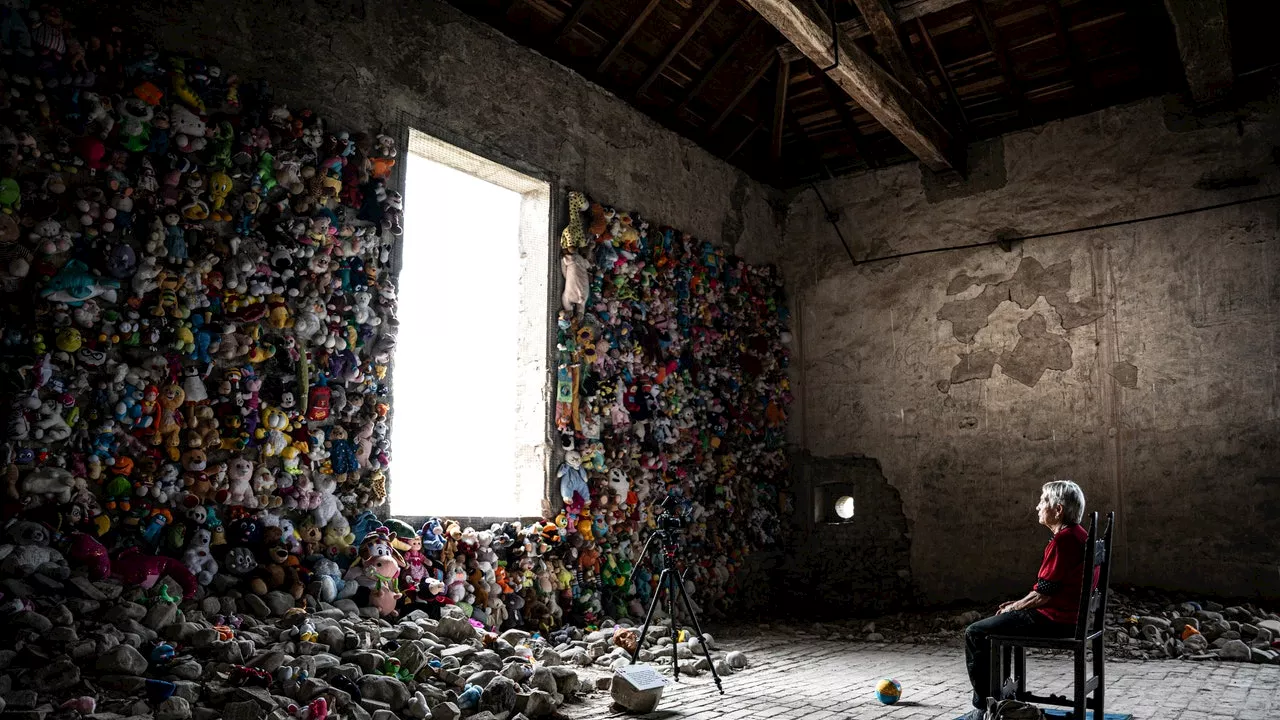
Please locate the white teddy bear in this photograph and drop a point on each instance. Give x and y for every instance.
(198, 558)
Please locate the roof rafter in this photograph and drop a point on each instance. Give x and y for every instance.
(689, 32)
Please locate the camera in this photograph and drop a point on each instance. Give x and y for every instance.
(672, 516)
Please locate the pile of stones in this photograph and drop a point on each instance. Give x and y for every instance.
(1140, 624)
(115, 652)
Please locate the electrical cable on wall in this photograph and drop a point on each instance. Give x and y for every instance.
(833, 217)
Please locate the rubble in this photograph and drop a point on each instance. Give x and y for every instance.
(1140, 624)
(174, 660)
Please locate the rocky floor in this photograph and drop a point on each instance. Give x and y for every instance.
(796, 674)
(71, 647)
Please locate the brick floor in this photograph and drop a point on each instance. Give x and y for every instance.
(805, 678)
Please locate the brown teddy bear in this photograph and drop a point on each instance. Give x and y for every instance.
(278, 571)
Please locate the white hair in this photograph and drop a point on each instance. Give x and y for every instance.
(1069, 496)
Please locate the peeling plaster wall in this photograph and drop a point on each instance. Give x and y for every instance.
(386, 63)
(1139, 361)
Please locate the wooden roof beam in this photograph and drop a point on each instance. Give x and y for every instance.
(746, 90)
(675, 49)
(626, 36)
(571, 20)
(1001, 52)
(1204, 44)
(882, 19)
(941, 69)
(801, 22)
(716, 65)
(1062, 28)
(779, 109)
(904, 9)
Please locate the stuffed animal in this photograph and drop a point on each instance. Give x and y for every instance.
(239, 482)
(28, 551)
(573, 487)
(577, 276)
(136, 568)
(198, 558)
(328, 506)
(49, 483)
(384, 571)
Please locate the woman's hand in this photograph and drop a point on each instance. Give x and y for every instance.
(1007, 607)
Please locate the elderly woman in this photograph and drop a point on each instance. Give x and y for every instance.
(1050, 609)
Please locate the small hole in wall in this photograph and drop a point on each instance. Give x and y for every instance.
(844, 507)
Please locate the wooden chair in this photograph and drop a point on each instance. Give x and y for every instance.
(1007, 651)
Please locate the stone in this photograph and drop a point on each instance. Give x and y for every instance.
(499, 695)
(123, 660)
(875, 637)
(723, 668)
(514, 636)
(31, 619)
(279, 602)
(489, 660)
(446, 711)
(58, 675)
(175, 708)
(243, 710)
(481, 678)
(60, 615)
(412, 657)
(1235, 650)
(1196, 643)
(539, 704)
(1272, 625)
(87, 588)
(333, 637)
(633, 699)
(455, 628)
(567, 680)
(384, 715)
(543, 679)
(187, 670)
(256, 606)
(736, 659)
(604, 682)
(384, 689)
(160, 615)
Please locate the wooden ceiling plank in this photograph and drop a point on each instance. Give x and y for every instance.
(715, 66)
(743, 142)
(801, 22)
(675, 49)
(882, 19)
(746, 88)
(1204, 45)
(998, 47)
(1062, 28)
(838, 98)
(942, 71)
(626, 36)
(571, 20)
(779, 109)
(857, 28)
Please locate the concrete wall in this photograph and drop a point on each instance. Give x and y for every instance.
(387, 63)
(1138, 360)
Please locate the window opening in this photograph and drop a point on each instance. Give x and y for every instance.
(469, 422)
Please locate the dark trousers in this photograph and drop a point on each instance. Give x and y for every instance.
(977, 645)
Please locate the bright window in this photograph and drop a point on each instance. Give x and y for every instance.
(470, 424)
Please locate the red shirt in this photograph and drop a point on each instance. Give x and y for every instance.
(1061, 574)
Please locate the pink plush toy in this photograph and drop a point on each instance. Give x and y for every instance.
(145, 571)
(86, 550)
(386, 588)
(576, 271)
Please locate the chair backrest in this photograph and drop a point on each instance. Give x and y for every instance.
(1097, 560)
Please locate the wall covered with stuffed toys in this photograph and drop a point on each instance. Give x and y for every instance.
(197, 342)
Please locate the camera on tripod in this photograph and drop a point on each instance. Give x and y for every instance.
(672, 516)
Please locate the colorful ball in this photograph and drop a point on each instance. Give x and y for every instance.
(888, 691)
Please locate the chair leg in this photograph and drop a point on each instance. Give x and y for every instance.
(995, 681)
(1020, 669)
(1100, 672)
(1079, 688)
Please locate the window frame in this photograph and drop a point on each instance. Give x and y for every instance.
(556, 199)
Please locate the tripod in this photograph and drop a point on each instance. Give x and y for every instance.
(670, 580)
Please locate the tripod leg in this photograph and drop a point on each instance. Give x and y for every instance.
(673, 577)
(653, 604)
(697, 627)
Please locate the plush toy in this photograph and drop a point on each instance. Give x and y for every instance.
(384, 571)
(573, 487)
(50, 483)
(198, 557)
(169, 419)
(28, 551)
(576, 269)
(239, 482)
(328, 507)
(87, 551)
(135, 568)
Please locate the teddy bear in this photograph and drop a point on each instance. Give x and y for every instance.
(328, 507)
(201, 485)
(28, 552)
(198, 558)
(264, 489)
(50, 483)
(51, 426)
(338, 537)
(169, 419)
(239, 482)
